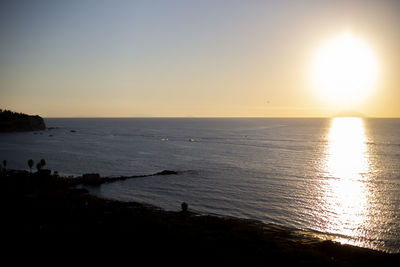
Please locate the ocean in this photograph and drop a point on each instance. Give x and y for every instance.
(339, 176)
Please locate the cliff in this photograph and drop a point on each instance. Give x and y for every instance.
(18, 122)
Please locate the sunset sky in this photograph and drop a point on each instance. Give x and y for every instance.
(187, 58)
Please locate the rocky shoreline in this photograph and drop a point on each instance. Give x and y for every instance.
(44, 205)
(95, 179)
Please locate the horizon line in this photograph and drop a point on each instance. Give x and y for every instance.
(215, 117)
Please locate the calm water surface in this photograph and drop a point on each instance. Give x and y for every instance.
(336, 176)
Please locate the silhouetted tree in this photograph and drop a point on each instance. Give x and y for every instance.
(184, 207)
(30, 164)
(39, 166)
(3, 170)
(42, 162)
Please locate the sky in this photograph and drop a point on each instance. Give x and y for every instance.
(186, 58)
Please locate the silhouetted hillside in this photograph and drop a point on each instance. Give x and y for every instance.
(16, 122)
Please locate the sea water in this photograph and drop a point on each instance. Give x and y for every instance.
(337, 176)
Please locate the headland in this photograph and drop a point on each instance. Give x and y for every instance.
(20, 122)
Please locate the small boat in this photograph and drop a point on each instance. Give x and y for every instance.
(191, 140)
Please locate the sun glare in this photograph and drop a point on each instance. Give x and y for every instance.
(345, 191)
(344, 71)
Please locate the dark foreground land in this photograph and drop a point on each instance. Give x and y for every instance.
(49, 215)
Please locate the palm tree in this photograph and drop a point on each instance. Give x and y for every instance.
(4, 169)
(38, 166)
(184, 207)
(30, 164)
(42, 162)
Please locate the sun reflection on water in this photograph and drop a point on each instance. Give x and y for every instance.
(345, 189)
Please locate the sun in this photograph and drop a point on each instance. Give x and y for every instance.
(344, 71)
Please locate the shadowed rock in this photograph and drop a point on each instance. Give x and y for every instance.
(166, 172)
(96, 179)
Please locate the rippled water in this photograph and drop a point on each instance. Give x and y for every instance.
(337, 176)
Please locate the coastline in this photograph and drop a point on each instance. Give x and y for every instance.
(42, 204)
